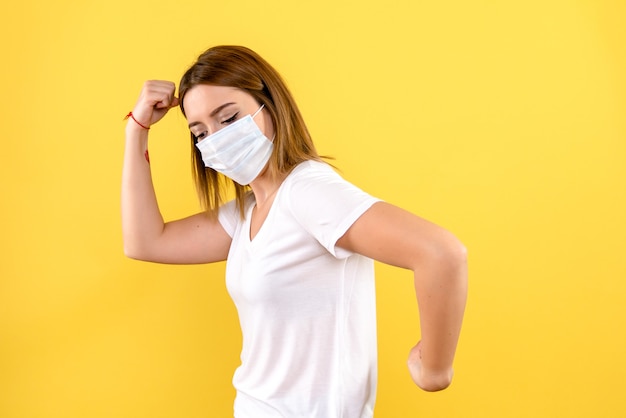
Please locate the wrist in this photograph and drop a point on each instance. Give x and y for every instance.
(134, 130)
(136, 138)
(142, 124)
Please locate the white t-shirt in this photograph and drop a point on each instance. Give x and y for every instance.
(307, 309)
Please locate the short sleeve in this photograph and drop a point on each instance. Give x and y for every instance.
(325, 204)
(228, 216)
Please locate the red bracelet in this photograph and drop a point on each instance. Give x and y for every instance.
(130, 115)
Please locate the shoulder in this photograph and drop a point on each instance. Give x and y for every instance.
(311, 168)
(313, 174)
(314, 189)
(323, 203)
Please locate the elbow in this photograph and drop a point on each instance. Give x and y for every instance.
(133, 252)
(456, 268)
(451, 252)
(459, 254)
(444, 254)
(445, 262)
(137, 245)
(130, 253)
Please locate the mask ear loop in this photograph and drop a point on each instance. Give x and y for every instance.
(257, 112)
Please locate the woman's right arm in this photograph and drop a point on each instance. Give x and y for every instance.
(195, 239)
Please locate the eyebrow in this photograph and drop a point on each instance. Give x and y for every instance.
(213, 113)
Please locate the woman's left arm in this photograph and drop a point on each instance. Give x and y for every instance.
(438, 260)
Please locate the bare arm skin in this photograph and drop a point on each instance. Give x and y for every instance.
(195, 239)
(438, 260)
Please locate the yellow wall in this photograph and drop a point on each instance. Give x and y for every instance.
(503, 121)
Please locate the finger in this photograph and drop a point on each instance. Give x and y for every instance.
(159, 93)
(167, 102)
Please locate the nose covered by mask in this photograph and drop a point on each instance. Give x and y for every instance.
(239, 151)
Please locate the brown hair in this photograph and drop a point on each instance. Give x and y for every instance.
(242, 68)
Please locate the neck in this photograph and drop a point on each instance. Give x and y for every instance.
(265, 187)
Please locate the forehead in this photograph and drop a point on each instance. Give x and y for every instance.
(204, 98)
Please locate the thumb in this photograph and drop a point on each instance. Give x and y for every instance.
(167, 104)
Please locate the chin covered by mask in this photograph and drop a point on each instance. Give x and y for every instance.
(239, 151)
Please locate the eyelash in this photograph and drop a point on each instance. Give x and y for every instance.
(224, 122)
(230, 119)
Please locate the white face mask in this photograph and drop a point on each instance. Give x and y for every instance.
(239, 151)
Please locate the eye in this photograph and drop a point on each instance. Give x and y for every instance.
(230, 119)
(200, 136)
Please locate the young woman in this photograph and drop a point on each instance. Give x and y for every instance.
(298, 239)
